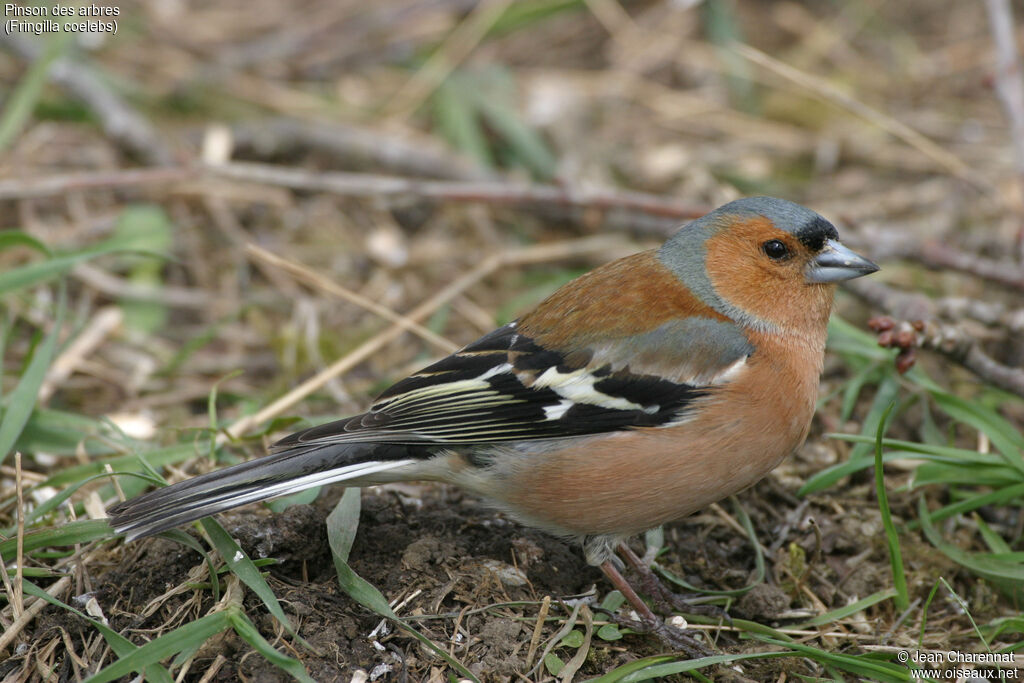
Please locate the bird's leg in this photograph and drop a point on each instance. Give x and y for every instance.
(673, 637)
(666, 600)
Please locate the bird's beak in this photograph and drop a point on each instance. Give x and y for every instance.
(836, 263)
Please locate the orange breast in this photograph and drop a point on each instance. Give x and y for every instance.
(627, 482)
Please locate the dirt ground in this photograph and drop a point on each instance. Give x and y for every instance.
(387, 151)
(461, 568)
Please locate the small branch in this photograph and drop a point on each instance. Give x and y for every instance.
(120, 288)
(520, 195)
(100, 326)
(1009, 85)
(938, 255)
(121, 122)
(56, 185)
(355, 147)
(898, 304)
(916, 328)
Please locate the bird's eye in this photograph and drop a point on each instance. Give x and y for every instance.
(775, 250)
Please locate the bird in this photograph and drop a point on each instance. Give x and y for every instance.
(636, 394)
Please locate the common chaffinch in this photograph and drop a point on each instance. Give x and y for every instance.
(636, 394)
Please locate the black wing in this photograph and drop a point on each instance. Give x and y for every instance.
(505, 387)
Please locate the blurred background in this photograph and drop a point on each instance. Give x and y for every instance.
(217, 219)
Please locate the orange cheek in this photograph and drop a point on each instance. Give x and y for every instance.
(777, 293)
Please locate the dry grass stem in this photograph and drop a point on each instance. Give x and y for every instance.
(318, 281)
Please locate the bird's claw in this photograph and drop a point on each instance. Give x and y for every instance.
(674, 638)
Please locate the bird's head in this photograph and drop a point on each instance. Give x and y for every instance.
(767, 263)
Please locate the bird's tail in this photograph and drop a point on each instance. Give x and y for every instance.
(288, 471)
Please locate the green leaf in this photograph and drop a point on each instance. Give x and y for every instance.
(132, 462)
(303, 497)
(39, 272)
(1000, 496)
(617, 675)
(144, 227)
(859, 665)
(524, 142)
(1003, 435)
(661, 670)
(23, 399)
(553, 663)
(573, 638)
(613, 601)
(455, 118)
(343, 523)
(179, 536)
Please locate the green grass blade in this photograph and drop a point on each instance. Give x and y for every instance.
(892, 537)
(862, 665)
(132, 462)
(848, 610)
(190, 636)
(979, 563)
(17, 238)
(248, 632)
(343, 522)
(652, 671)
(81, 531)
(23, 399)
(22, 101)
(1000, 496)
(341, 525)
(247, 572)
(121, 646)
(179, 536)
(1007, 440)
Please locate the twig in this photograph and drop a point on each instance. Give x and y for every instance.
(122, 123)
(824, 90)
(55, 185)
(167, 295)
(493, 192)
(1009, 85)
(921, 331)
(355, 147)
(18, 597)
(538, 629)
(898, 304)
(8, 636)
(316, 280)
(211, 672)
(938, 255)
(100, 326)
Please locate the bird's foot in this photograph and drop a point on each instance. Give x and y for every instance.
(668, 602)
(672, 637)
(665, 600)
